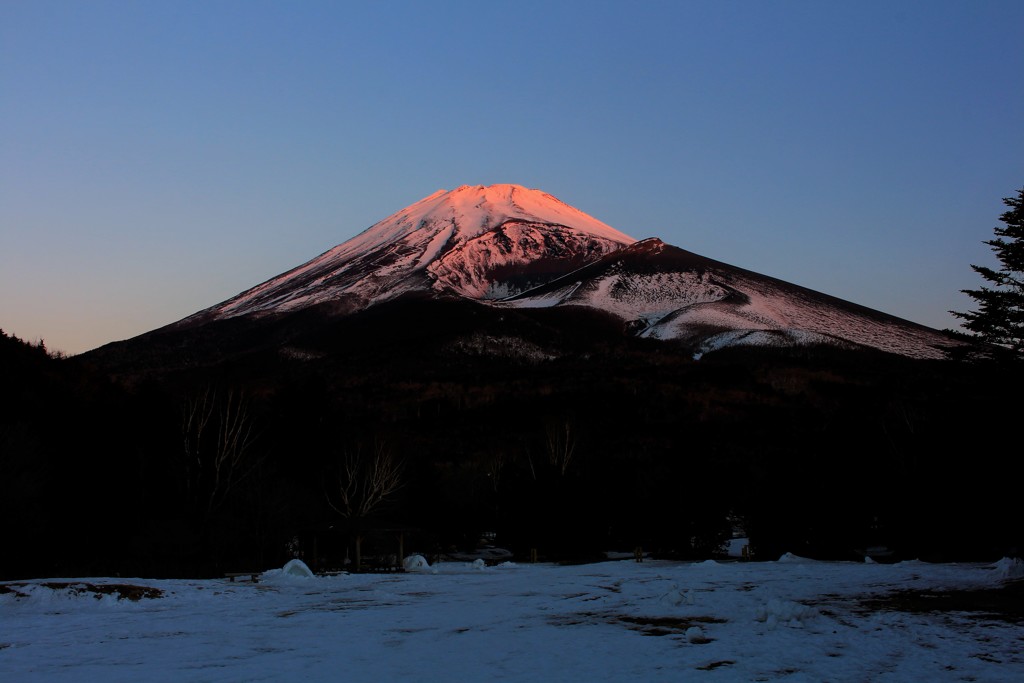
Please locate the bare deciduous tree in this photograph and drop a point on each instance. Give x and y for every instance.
(560, 445)
(365, 480)
(217, 433)
(495, 467)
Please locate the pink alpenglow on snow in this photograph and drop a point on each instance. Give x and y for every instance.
(488, 227)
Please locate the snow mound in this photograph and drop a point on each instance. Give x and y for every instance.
(415, 563)
(297, 568)
(695, 635)
(785, 612)
(1010, 568)
(790, 557)
(294, 571)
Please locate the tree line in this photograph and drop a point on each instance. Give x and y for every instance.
(817, 452)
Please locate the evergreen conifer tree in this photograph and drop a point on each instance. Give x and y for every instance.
(999, 318)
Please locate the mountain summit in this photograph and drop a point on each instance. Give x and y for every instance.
(475, 241)
(512, 247)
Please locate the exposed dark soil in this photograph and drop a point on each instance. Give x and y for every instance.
(665, 625)
(648, 626)
(714, 665)
(123, 591)
(1005, 603)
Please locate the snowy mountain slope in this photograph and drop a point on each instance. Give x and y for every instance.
(667, 293)
(514, 257)
(472, 241)
(506, 245)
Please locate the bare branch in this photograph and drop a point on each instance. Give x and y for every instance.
(365, 481)
(561, 445)
(217, 433)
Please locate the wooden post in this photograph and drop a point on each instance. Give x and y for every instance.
(400, 560)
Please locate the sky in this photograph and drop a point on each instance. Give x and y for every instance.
(157, 158)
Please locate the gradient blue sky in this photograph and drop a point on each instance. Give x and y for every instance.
(157, 158)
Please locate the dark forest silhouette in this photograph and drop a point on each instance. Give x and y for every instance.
(616, 443)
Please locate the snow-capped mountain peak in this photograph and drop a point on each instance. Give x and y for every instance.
(470, 210)
(521, 248)
(478, 241)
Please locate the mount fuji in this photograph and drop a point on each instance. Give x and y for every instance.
(507, 246)
(478, 242)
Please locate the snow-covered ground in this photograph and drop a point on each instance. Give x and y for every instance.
(790, 620)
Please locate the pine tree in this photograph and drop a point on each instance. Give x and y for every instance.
(999, 318)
